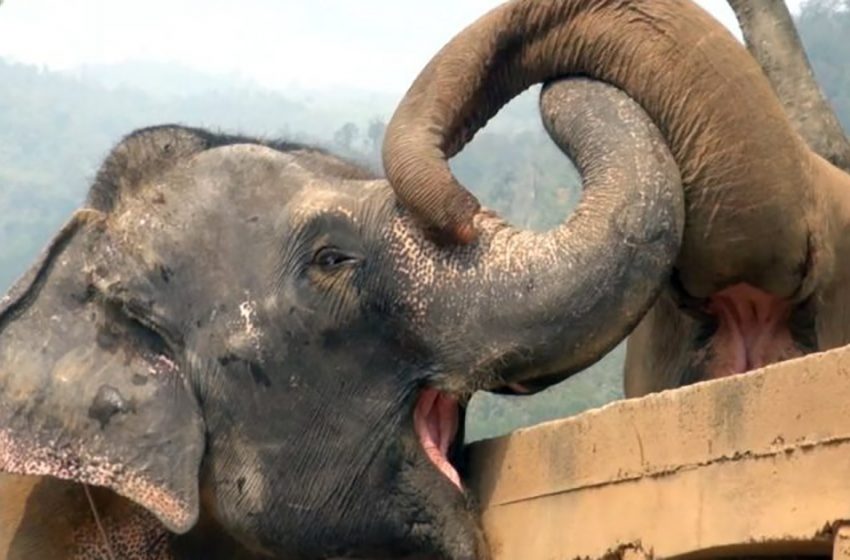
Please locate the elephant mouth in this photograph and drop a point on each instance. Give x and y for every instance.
(743, 328)
(436, 420)
(753, 330)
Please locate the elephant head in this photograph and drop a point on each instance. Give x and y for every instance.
(760, 271)
(258, 337)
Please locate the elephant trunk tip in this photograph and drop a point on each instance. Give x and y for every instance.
(449, 216)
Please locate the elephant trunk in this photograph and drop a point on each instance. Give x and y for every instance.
(744, 170)
(772, 38)
(544, 305)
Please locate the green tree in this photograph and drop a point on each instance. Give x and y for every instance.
(344, 137)
(375, 133)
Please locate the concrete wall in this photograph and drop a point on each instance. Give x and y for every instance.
(752, 464)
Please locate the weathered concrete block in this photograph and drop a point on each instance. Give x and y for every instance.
(752, 464)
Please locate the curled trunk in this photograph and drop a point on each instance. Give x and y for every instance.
(744, 170)
(544, 305)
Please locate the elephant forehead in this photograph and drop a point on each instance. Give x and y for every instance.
(323, 195)
(244, 175)
(321, 198)
(218, 202)
(221, 182)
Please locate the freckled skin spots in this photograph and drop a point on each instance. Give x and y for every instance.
(133, 536)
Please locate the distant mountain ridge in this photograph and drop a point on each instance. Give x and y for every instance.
(160, 79)
(56, 127)
(171, 80)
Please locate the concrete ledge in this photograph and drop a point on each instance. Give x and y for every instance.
(754, 464)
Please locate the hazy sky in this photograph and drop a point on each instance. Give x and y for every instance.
(366, 44)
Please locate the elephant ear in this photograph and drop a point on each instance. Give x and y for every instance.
(91, 389)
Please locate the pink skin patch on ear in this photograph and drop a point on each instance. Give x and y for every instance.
(136, 536)
(66, 463)
(752, 331)
(436, 421)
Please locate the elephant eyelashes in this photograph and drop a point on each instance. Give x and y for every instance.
(329, 259)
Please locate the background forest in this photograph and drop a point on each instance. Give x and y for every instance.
(55, 128)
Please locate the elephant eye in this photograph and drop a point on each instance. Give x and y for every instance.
(331, 258)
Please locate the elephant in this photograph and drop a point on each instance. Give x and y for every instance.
(762, 271)
(818, 322)
(250, 349)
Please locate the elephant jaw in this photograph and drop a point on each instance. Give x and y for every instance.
(436, 420)
(752, 331)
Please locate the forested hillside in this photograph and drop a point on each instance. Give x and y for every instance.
(825, 28)
(55, 128)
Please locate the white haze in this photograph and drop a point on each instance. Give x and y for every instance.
(371, 45)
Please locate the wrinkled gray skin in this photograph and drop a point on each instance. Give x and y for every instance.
(234, 335)
(765, 259)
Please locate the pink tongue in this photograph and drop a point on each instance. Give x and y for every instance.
(436, 422)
